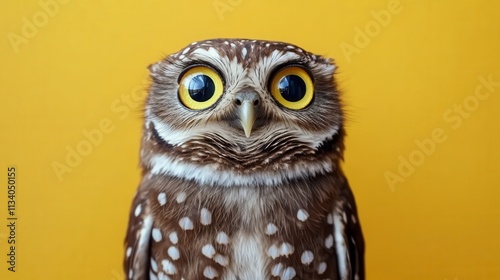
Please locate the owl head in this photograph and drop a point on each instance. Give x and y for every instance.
(244, 111)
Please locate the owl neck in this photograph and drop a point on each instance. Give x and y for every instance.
(213, 174)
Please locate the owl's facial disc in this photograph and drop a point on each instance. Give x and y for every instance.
(246, 104)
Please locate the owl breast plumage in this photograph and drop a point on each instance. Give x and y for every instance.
(241, 154)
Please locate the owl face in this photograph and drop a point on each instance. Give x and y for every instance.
(241, 107)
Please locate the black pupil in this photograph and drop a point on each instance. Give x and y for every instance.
(292, 88)
(201, 88)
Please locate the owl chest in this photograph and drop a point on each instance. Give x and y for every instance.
(240, 234)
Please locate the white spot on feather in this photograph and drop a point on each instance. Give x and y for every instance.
(222, 238)
(205, 217)
(244, 52)
(302, 215)
(210, 272)
(322, 268)
(129, 251)
(273, 251)
(162, 199)
(288, 273)
(168, 267)
(307, 257)
(271, 229)
(156, 235)
(186, 224)
(286, 249)
(329, 241)
(208, 251)
(138, 210)
(173, 237)
(173, 252)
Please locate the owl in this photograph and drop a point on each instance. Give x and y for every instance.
(241, 158)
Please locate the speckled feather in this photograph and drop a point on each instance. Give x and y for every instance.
(214, 204)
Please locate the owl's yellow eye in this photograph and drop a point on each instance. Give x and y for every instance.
(292, 87)
(200, 87)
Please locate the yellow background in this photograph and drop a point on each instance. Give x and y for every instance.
(84, 63)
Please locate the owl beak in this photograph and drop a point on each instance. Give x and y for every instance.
(247, 116)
